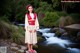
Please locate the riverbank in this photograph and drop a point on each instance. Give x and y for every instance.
(11, 47)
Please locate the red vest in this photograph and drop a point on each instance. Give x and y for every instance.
(30, 21)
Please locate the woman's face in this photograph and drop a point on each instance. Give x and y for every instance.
(30, 8)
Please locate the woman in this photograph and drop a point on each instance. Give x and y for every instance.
(31, 25)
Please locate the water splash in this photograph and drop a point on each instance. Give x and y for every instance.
(55, 40)
(73, 50)
(44, 30)
(48, 35)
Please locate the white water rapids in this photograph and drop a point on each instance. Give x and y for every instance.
(51, 39)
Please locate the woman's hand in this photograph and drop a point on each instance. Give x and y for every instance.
(30, 31)
(34, 30)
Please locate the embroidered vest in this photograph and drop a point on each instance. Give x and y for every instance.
(30, 20)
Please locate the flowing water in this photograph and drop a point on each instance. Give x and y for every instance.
(53, 44)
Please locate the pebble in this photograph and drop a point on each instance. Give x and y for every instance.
(14, 44)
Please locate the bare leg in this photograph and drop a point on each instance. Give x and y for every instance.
(31, 46)
(28, 45)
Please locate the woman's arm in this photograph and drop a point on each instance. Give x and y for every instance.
(26, 23)
(36, 24)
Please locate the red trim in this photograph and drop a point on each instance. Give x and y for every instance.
(30, 21)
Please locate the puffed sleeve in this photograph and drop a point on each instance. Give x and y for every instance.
(36, 24)
(26, 22)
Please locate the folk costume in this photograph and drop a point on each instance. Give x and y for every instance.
(31, 23)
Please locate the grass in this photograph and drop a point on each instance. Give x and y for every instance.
(10, 31)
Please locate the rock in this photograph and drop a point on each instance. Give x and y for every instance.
(62, 30)
(3, 43)
(34, 51)
(39, 33)
(14, 44)
(3, 49)
(78, 37)
(23, 47)
(53, 29)
(21, 50)
(78, 34)
(64, 35)
(15, 48)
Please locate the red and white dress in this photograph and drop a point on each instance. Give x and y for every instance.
(31, 23)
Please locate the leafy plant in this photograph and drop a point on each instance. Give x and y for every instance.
(18, 35)
(5, 29)
(50, 18)
(76, 17)
(10, 31)
(44, 6)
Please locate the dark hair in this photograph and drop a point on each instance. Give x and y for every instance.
(27, 8)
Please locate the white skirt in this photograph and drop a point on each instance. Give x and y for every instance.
(31, 38)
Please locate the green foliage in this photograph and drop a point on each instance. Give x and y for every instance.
(19, 9)
(68, 20)
(70, 6)
(50, 18)
(58, 33)
(15, 10)
(44, 6)
(39, 38)
(4, 18)
(55, 3)
(76, 17)
(10, 31)
(5, 30)
(18, 35)
(62, 13)
(56, 19)
(5, 8)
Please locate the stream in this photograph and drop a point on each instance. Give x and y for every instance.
(53, 44)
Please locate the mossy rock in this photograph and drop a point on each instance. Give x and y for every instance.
(58, 33)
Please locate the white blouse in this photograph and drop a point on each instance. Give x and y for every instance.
(32, 15)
